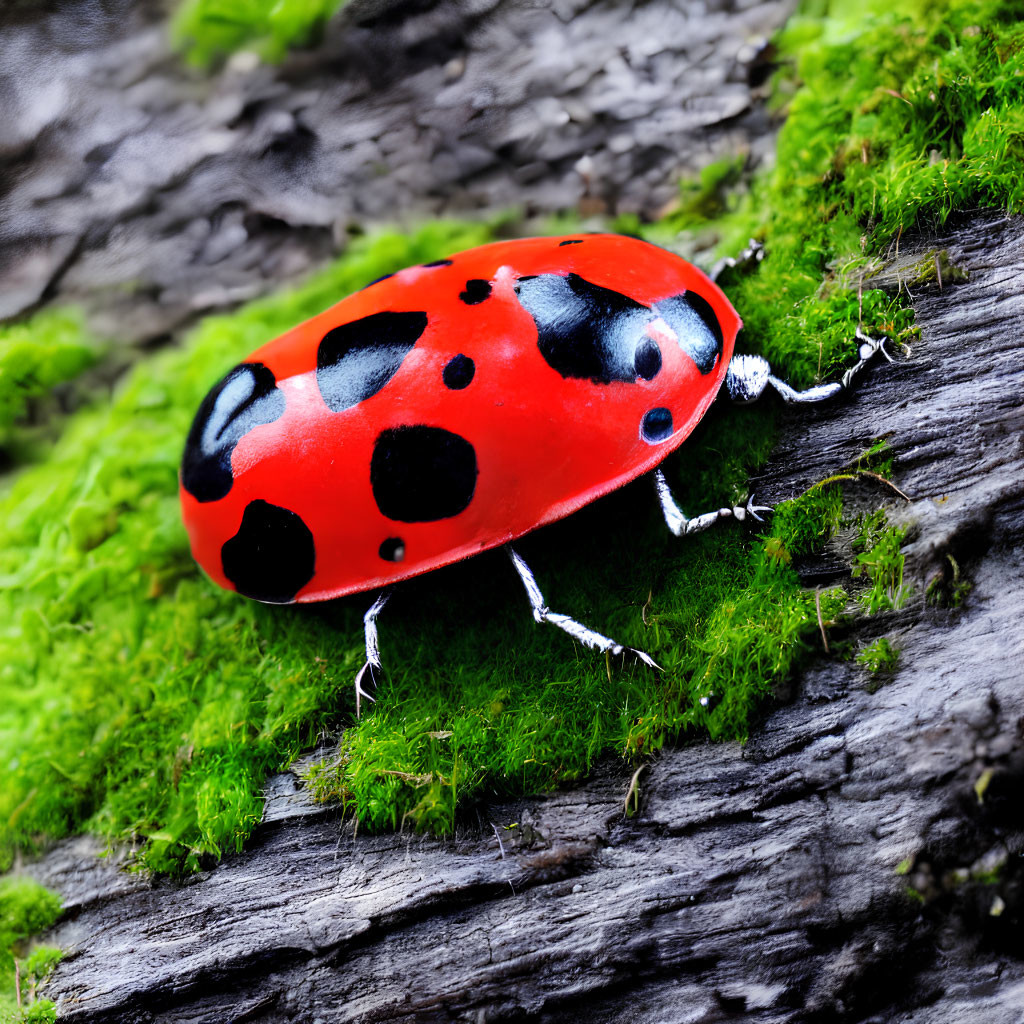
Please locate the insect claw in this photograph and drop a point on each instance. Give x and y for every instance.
(361, 692)
(753, 253)
(372, 652)
(869, 346)
(645, 658)
(753, 509)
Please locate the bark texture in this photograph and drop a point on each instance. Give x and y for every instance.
(764, 883)
(152, 194)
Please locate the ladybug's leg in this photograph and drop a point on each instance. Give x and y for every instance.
(586, 636)
(372, 665)
(680, 525)
(753, 253)
(748, 376)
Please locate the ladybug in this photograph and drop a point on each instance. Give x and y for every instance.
(453, 407)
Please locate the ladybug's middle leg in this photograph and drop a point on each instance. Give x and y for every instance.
(677, 521)
(584, 634)
(372, 664)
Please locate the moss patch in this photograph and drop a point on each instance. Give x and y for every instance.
(26, 908)
(948, 588)
(879, 657)
(879, 559)
(36, 355)
(208, 29)
(482, 701)
(137, 699)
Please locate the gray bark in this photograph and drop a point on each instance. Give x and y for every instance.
(151, 194)
(763, 883)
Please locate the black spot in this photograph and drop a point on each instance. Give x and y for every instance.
(584, 330)
(647, 359)
(247, 397)
(272, 557)
(656, 426)
(419, 474)
(376, 280)
(700, 334)
(355, 360)
(571, 241)
(439, 263)
(392, 549)
(459, 372)
(476, 291)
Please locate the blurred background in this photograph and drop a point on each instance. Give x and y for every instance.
(161, 160)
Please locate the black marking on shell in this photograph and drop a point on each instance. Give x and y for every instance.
(647, 359)
(584, 330)
(246, 398)
(476, 291)
(571, 241)
(376, 280)
(355, 360)
(458, 374)
(392, 549)
(420, 474)
(438, 263)
(700, 334)
(656, 425)
(272, 557)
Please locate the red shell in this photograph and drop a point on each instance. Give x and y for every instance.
(544, 443)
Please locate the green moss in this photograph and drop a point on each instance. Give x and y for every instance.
(877, 459)
(948, 588)
(895, 117)
(209, 29)
(880, 559)
(135, 697)
(879, 657)
(36, 355)
(519, 709)
(915, 895)
(26, 908)
(935, 268)
(801, 526)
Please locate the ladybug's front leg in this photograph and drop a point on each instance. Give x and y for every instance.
(372, 665)
(748, 376)
(676, 519)
(584, 634)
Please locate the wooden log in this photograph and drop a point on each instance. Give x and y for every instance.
(151, 193)
(859, 859)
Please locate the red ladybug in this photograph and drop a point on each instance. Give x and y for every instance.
(451, 408)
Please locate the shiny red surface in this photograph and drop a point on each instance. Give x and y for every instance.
(545, 445)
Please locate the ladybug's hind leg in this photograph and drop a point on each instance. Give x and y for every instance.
(585, 635)
(676, 519)
(372, 665)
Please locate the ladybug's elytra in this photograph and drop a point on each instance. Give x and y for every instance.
(453, 407)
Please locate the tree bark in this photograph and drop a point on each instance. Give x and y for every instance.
(859, 859)
(151, 194)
